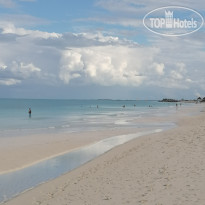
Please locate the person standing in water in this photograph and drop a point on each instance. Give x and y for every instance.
(29, 112)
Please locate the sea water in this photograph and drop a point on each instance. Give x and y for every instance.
(73, 115)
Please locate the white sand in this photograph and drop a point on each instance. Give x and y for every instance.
(166, 168)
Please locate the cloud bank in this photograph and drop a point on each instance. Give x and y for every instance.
(90, 58)
(37, 57)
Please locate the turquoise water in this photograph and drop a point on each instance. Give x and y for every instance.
(72, 115)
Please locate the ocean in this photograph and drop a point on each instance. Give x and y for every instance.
(74, 115)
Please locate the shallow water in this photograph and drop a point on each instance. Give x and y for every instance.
(54, 116)
(16, 182)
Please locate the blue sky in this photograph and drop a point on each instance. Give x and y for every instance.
(96, 49)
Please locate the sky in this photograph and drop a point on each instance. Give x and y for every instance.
(96, 49)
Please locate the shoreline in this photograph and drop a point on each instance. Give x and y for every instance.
(52, 168)
(59, 142)
(130, 132)
(24, 151)
(157, 172)
(113, 149)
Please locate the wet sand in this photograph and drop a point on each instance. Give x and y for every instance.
(19, 152)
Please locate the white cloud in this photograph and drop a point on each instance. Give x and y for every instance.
(189, 80)
(123, 21)
(7, 3)
(2, 66)
(24, 70)
(197, 94)
(159, 67)
(9, 81)
(72, 66)
(11, 3)
(12, 29)
(96, 58)
(181, 66)
(176, 75)
(107, 65)
(180, 72)
(99, 37)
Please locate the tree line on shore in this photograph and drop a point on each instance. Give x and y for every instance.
(199, 99)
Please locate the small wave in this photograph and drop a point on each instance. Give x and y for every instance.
(65, 126)
(51, 127)
(121, 122)
(158, 130)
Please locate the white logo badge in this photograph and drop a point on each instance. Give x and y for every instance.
(173, 21)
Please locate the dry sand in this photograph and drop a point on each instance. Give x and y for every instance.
(166, 168)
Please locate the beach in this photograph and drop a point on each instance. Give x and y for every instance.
(161, 168)
(102, 102)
